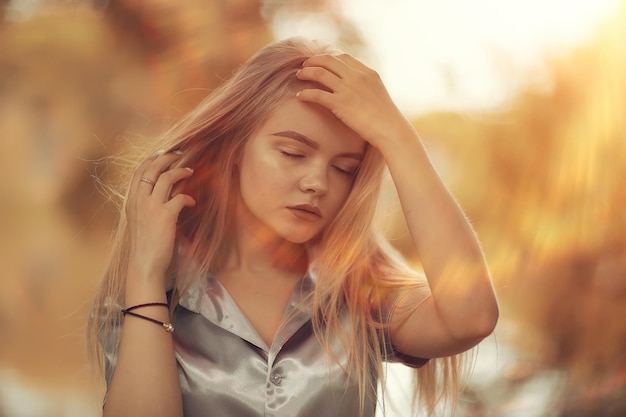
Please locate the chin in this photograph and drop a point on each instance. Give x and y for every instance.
(299, 240)
(299, 236)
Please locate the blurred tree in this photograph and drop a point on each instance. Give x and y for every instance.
(546, 196)
(3, 5)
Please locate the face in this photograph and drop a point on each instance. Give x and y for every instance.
(297, 170)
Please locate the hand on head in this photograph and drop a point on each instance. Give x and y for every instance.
(152, 209)
(357, 95)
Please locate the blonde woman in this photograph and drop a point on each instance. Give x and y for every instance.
(254, 225)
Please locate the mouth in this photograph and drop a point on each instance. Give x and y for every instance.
(306, 210)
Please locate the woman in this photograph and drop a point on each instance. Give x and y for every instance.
(255, 226)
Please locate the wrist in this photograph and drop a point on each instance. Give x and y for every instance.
(142, 287)
(396, 137)
(404, 147)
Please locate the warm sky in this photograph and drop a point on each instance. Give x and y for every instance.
(455, 54)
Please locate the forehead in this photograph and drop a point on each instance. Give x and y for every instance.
(315, 122)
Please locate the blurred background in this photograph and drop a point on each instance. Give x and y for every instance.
(520, 103)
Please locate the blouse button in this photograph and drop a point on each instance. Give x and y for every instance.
(276, 378)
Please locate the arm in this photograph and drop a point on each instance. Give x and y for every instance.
(462, 309)
(145, 380)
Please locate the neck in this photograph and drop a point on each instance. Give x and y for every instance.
(257, 248)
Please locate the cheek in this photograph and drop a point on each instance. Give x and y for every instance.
(259, 176)
(249, 181)
(342, 190)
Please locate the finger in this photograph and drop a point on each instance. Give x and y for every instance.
(163, 188)
(315, 95)
(330, 62)
(320, 75)
(155, 167)
(180, 201)
(147, 174)
(352, 62)
(142, 166)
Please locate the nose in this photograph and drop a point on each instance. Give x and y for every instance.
(314, 182)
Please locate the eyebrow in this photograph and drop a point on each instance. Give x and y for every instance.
(313, 144)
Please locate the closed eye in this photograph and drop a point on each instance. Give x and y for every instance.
(291, 155)
(348, 172)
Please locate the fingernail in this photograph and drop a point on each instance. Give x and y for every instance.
(298, 93)
(159, 152)
(298, 73)
(189, 169)
(177, 152)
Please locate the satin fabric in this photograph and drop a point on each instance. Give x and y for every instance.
(227, 370)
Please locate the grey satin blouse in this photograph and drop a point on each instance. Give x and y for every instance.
(227, 370)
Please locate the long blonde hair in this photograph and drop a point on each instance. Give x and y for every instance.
(355, 268)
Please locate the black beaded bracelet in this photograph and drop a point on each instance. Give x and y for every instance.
(169, 327)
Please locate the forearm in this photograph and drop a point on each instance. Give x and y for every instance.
(464, 302)
(447, 246)
(145, 381)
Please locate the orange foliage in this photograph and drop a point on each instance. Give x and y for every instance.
(543, 184)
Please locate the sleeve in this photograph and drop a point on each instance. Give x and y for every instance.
(110, 360)
(391, 354)
(109, 345)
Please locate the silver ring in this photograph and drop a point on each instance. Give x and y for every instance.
(147, 181)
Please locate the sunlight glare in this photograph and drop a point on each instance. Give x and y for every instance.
(468, 55)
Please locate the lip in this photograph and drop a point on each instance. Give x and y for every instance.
(306, 212)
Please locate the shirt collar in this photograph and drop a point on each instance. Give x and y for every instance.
(210, 299)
